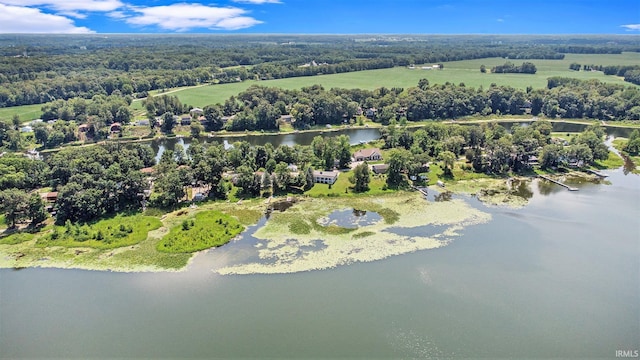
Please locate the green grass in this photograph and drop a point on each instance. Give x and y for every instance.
(116, 232)
(612, 162)
(343, 187)
(466, 71)
(26, 112)
(16, 238)
(207, 229)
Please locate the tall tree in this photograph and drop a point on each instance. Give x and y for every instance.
(398, 161)
(360, 178)
(14, 204)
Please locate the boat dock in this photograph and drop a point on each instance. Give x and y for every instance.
(597, 173)
(558, 183)
(423, 191)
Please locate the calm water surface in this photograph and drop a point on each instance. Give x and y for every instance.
(557, 279)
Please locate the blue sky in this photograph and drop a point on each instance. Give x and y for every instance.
(322, 16)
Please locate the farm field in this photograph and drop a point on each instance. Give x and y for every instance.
(26, 112)
(466, 71)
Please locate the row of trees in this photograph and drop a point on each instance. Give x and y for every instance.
(509, 67)
(258, 108)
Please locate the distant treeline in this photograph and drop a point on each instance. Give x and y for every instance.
(631, 73)
(259, 108)
(36, 69)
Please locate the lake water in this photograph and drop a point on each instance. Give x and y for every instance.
(356, 135)
(559, 278)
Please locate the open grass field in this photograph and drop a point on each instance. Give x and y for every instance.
(26, 112)
(466, 71)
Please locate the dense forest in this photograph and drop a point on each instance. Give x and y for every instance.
(35, 69)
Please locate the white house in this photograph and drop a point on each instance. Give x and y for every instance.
(325, 177)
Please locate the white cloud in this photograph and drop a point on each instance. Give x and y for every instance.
(631, 27)
(259, 2)
(69, 6)
(18, 19)
(183, 17)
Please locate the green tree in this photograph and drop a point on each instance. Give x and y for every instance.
(36, 210)
(14, 204)
(360, 178)
(213, 115)
(633, 145)
(282, 177)
(309, 177)
(248, 182)
(398, 161)
(448, 159)
(168, 123)
(344, 151)
(196, 129)
(551, 156)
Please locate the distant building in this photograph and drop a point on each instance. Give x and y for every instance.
(379, 168)
(115, 127)
(371, 154)
(325, 177)
(49, 197)
(287, 119)
(196, 111)
(185, 120)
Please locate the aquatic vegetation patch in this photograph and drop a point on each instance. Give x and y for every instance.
(207, 229)
(110, 233)
(142, 257)
(362, 234)
(299, 226)
(280, 251)
(514, 192)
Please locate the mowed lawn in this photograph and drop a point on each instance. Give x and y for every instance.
(466, 71)
(25, 112)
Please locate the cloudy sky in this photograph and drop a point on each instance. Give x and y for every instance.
(322, 16)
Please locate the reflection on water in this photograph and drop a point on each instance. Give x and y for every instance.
(521, 188)
(351, 218)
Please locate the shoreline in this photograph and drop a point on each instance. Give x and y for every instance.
(143, 256)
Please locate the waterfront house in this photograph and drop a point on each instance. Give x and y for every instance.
(325, 177)
(371, 154)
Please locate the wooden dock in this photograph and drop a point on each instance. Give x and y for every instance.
(558, 183)
(597, 173)
(423, 191)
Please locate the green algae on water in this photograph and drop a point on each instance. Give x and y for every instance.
(282, 251)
